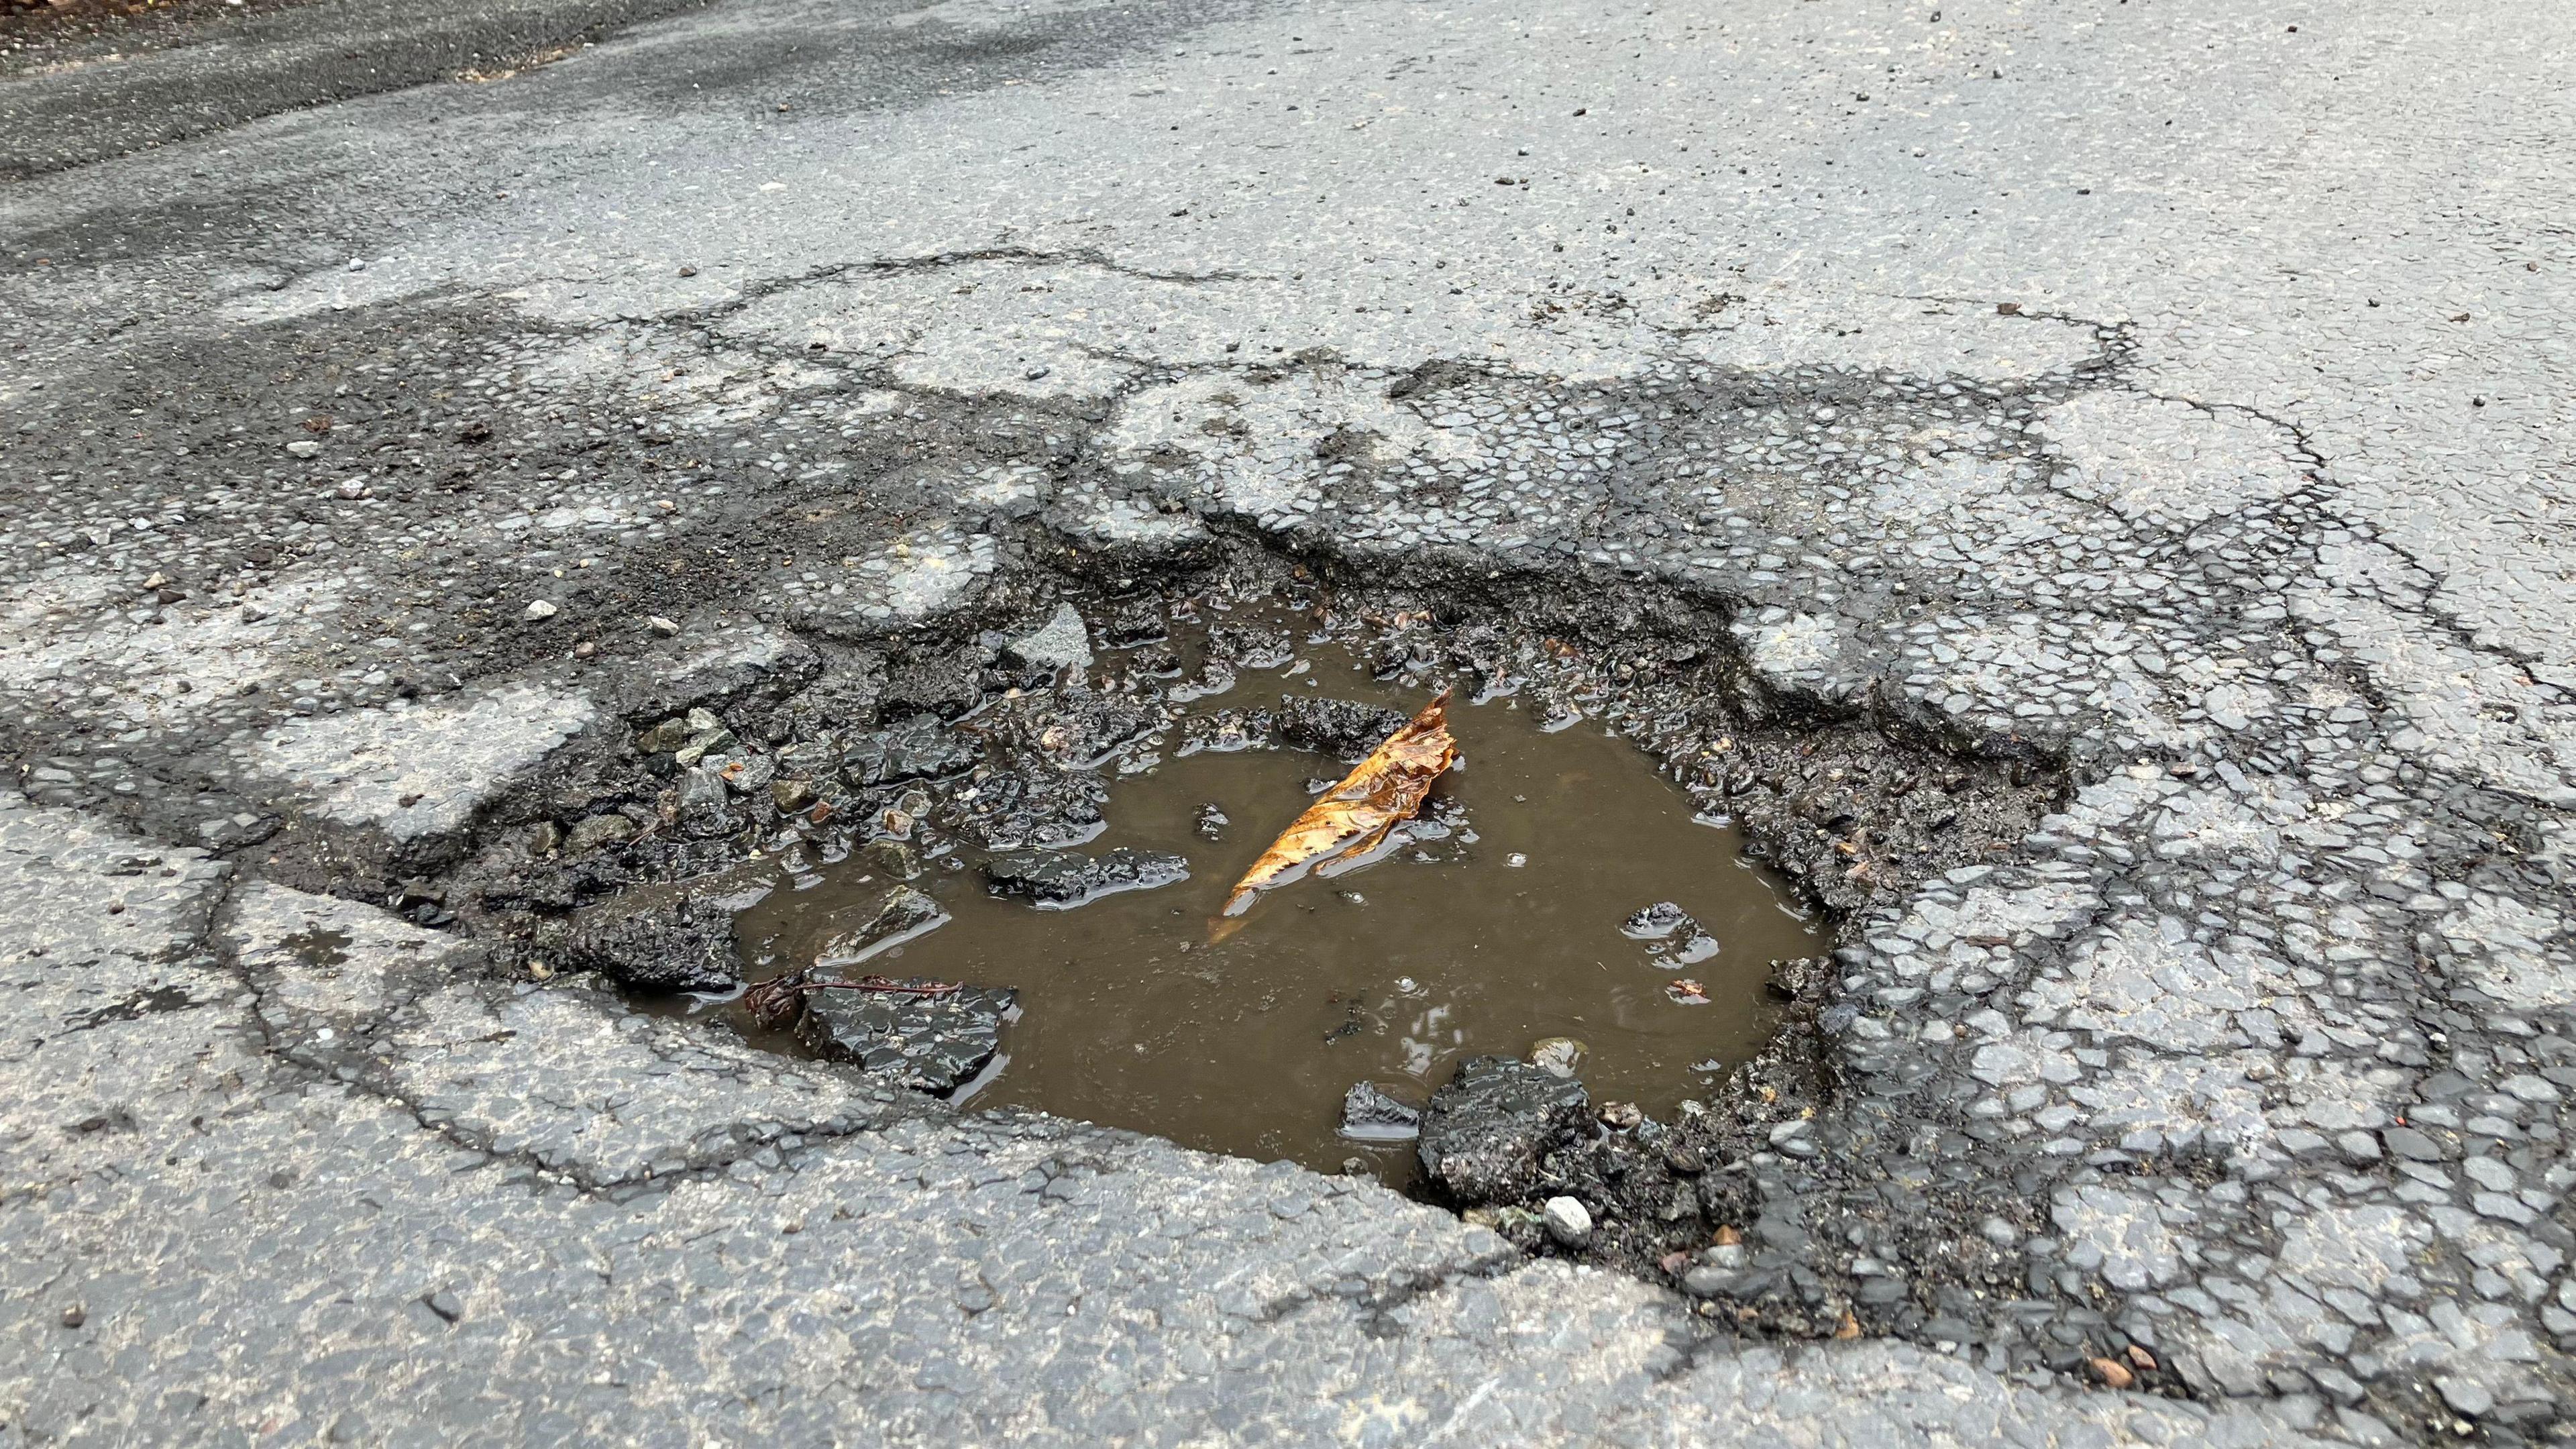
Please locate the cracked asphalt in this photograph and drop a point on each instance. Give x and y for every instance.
(2176, 392)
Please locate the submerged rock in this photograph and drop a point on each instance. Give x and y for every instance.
(1658, 922)
(1343, 728)
(1370, 1115)
(927, 1043)
(1557, 1055)
(1063, 879)
(1484, 1132)
(1697, 948)
(898, 915)
(896, 858)
(656, 938)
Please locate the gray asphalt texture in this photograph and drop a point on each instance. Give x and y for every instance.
(2184, 388)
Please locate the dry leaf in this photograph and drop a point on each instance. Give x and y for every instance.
(1353, 817)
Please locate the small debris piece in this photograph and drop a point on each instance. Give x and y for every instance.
(1484, 1132)
(930, 1036)
(1568, 1221)
(1370, 1115)
(1062, 879)
(1060, 643)
(656, 938)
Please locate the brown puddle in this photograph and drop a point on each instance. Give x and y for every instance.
(1500, 931)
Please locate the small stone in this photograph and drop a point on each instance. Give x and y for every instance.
(1560, 1055)
(704, 804)
(791, 795)
(303, 448)
(598, 832)
(744, 774)
(894, 857)
(718, 741)
(357, 488)
(74, 1317)
(541, 609)
(2358, 1148)
(1568, 1221)
(2113, 1373)
(1707, 1281)
(1621, 1116)
(664, 627)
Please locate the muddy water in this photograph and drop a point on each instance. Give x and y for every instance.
(1504, 930)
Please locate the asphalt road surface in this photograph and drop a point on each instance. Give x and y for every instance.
(2184, 389)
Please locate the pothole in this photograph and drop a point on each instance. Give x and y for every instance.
(1556, 897)
(1044, 802)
